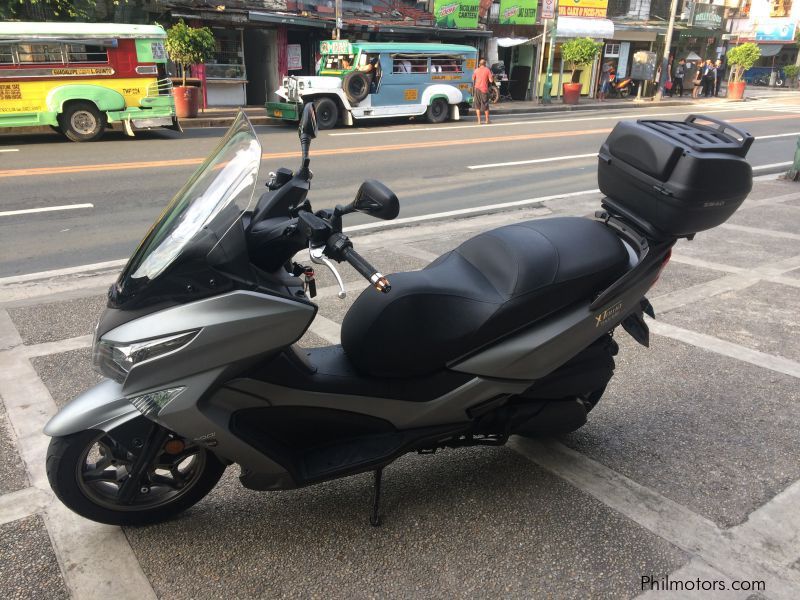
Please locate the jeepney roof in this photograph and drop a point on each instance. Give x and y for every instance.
(411, 47)
(14, 30)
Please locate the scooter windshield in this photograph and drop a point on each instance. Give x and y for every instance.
(202, 212)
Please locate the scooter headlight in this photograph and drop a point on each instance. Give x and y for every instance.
(115, 360)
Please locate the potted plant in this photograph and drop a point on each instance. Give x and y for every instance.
(791, 72)
(188, 46)
(740, 59)
(577, 52)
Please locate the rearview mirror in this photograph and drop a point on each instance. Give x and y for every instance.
(308, 122)
(376, 200)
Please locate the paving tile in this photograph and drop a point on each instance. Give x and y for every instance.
(737, 248)
(678, 276)
(12, 471)
(710, 432)
(777, 218)
(57, 321)
(764, 317)
(67, 374)
(28, 569)
(479, 521)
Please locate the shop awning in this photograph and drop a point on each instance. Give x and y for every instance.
(509, 42)
(572, 27)
(770, 49)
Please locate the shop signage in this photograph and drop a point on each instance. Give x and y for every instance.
(294, 57)
(706, 16)
(582, 8)
(549, 9)
(456, 14)
(775, 30)
(518, 12)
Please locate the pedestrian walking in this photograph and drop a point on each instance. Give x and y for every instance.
(677, 77)
(481, 78)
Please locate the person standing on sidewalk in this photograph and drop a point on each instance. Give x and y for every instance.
(605, 81)
(677, 77)
(708, 78)
(719, 72)
(481, 78)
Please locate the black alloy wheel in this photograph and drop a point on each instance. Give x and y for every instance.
(327, 113)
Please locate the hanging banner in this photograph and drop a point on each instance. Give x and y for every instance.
(549, 9)
(518, 12)
(583, 8)
(456, 14)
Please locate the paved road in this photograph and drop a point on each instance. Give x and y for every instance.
(687, 469)
(431, 168)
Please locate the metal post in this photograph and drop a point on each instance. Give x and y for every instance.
(667, 43)
(548, 81)
(794, 171)
(337, 31)
(541, 59)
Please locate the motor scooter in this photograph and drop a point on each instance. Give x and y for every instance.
(511, 333)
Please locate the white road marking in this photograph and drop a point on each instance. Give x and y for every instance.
(9, 149)
(465, 211)
(772, 166)
(533, 162)
(532, 121)
(28, 211)
(109, 264)
(777, 135)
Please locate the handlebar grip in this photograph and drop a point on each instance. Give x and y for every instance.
(369, 272)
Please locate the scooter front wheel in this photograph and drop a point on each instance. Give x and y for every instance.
(136, 474)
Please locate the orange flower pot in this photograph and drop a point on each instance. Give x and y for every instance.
(187, 101)
(572, 93)
(736, 90)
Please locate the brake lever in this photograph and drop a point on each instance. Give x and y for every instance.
(318, 257)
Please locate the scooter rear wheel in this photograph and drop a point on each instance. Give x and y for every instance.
(88, 472)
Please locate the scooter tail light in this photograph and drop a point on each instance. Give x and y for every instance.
(662, 266)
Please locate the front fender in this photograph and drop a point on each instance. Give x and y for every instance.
(452, 93)
(102, 407)
(104, 98)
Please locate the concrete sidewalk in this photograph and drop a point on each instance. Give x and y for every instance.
(687, 468)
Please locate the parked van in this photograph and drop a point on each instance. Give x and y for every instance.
(405, 79)
(78, 77)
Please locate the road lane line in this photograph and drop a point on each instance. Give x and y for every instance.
(533, 162)
(109, 264)
(772, 166)
(533, 121)
(777, 135)
(9, 149)
(28, 211)
(503, 139)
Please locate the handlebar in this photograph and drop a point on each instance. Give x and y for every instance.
(360, 264)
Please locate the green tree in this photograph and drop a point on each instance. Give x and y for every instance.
(580, 52)
(742, 58)
(189, 45)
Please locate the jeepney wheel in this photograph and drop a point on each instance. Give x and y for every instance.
(437, 111)
(82, 122)
(327, 113)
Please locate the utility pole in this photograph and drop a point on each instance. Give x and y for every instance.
(337, 31)
(667, 43)
(548, 80)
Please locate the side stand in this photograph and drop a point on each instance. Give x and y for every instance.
(374, 517)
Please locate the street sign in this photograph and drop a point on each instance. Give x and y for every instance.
(549, 9)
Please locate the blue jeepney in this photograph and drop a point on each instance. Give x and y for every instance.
(406, 79)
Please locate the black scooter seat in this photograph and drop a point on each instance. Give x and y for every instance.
(490, 286)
